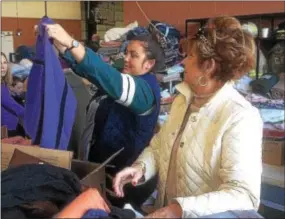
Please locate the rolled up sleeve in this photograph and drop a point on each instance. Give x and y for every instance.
(130, 91)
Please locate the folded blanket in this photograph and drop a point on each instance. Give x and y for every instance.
(272, 115)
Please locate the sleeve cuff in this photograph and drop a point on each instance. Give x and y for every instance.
(67, 56)
(185, 204)
(150, 169)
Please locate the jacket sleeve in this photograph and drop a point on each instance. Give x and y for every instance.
(149, 157)
(240, 171)
(130, 91)
(151, 154)
(10, 104)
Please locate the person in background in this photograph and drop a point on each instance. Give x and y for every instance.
(17, 90)
(130, 102)
(12, 113)
(208, 154)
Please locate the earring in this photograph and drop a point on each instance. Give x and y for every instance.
(202, 81)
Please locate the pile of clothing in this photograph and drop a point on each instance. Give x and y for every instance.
(44, 191)
(116, 40)
(268, 95)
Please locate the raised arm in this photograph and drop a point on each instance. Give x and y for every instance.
(130, 91)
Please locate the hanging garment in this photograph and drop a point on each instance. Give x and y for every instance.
(50, 102)
(83, 97)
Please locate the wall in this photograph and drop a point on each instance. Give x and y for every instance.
(68, 14)
(176, 13)
(113, 14)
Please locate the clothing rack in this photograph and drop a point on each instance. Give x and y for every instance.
(272, 17)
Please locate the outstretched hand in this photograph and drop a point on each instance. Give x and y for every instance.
(56, 32)
(128, 175)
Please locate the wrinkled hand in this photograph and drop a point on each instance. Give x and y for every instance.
(128, 175)
(62, 39)
(56, 32)
(170, 211)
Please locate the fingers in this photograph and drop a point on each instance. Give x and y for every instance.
(52, 29)
(36, 29)
(117, 184)
(121, 179)
(129, 175)
(49, 28)
(136, 178)
(121, 188)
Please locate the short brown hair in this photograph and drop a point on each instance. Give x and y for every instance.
(8, 77)
(232, 48)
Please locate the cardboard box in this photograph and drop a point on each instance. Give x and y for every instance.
(55, 157)
(90, 174)
(4, 132)
(273, 152)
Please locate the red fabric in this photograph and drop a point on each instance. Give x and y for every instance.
(273, 133)
(17, 140)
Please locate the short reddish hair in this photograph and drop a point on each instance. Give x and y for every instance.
(232, 48)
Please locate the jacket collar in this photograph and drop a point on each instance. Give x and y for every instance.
(185, 90)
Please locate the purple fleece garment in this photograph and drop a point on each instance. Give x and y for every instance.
(50, 102)
(11, 111)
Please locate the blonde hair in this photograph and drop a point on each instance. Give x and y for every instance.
(232, 48)
(7, 79)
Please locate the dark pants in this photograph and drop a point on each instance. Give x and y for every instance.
(135, 196)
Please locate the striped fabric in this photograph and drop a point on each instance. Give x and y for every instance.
(128, 90)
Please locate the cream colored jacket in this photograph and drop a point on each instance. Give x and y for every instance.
(219, 159)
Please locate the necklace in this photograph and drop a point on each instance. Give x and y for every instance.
(203, 96)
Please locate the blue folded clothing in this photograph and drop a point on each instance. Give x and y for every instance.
(95, 213)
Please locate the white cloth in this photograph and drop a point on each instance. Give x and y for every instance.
(130, 207)
(272, 115)
(219, 163)
(117, 32)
